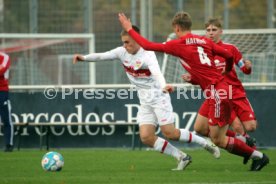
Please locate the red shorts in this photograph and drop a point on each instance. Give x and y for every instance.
(204, 111)
(243, 109)
(219, 105)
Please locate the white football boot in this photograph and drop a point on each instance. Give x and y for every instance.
(183, 163)
(212, 148)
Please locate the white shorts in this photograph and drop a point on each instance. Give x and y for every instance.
(160, 113)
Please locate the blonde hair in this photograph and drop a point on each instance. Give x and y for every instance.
(214, 21)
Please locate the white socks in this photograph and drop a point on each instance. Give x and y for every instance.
(240, 137)
(256, 155)
(164, 146)
(187, 136)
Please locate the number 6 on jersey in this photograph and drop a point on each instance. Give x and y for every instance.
(203, 56)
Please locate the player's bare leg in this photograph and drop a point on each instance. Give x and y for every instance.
(170, 132)
(148, 137)
(238, 127)
(201, 125)
(250, 126)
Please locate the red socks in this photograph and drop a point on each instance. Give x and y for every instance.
(237, 147)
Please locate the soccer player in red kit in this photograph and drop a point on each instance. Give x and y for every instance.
(241, 106)
(242, 110)
(198, 53)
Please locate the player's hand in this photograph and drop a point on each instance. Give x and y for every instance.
(248, 64)
(77, 58)
(168, 88)
(125, 22)
(186, 77)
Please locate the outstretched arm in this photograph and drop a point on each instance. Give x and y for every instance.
(147, 45)
(109, 55)
(77, 58)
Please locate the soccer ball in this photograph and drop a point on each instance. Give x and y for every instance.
(52, 161)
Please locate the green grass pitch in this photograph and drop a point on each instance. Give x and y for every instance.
(125, 166)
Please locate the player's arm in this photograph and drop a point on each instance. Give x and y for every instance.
(225, 54)
(187, 77)
(5, 63)
(94, 57)
(78, 58)
(157, 75)
(245, 66)
(147, 45)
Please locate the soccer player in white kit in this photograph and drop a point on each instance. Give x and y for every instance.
(155, 109)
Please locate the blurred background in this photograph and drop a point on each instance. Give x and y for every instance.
(33, 60)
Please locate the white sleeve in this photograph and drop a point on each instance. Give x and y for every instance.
(109, 55)
(155, 70)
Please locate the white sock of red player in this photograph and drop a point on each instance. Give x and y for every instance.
(165, 147)
(256, 155)
(241, 137)
(189, 137)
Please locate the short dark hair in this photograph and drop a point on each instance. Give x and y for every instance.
(182, 19)
(214, 21)
(133, 27)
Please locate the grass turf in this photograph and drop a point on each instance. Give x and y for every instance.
(125, 166)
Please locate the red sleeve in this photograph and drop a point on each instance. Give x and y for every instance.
(193, 81)
(5, 63)
(168, 47)
(246, 71)
(225, 54)
(147, 45)
(236, 54)
(239, 61)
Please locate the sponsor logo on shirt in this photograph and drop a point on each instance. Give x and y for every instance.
(137, 73)
(138, 64)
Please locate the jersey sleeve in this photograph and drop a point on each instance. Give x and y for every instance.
(147, 45)
(193, 81)
(242, 67)
(239, 62)
(4, 66)
(109, 55)
(155, 70)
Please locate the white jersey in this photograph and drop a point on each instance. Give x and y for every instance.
(142, 70)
